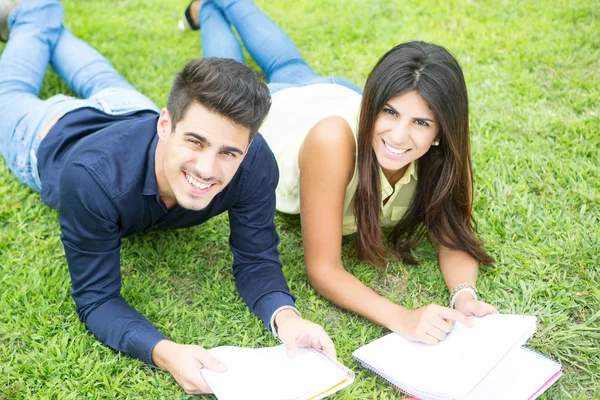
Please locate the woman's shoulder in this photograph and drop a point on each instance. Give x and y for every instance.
(330, 144)
(333, 130)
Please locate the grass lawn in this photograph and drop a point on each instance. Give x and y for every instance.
(533, 72)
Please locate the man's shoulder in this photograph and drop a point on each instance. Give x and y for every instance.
(260, 157)
(117, 156)
(258, 173)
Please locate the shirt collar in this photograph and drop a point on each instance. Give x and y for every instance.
(150, 182)
(386, 188)
(411, 172)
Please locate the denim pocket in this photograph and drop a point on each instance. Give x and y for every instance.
(123, 101)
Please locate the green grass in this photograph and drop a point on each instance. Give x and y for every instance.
(533, 73)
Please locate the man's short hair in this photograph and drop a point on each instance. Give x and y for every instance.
(223, 86)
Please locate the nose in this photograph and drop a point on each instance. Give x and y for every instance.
(400, 133)
(205, 165)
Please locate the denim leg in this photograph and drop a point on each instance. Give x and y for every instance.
(218, 39)
(276, 87)
(86, 71)
(267, 43)
(35, 27)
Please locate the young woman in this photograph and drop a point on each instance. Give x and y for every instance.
(397, 156)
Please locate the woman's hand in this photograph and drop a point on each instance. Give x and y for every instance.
(468, 306)
(429, 324)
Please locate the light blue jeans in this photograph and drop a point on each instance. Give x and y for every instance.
(267, 43)
(38, 37)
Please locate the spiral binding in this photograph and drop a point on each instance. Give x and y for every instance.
(402, 387)
(542, 356)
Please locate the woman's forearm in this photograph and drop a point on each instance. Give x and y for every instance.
(457, 267)
(344, 289)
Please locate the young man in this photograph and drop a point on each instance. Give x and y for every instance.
(113, 164)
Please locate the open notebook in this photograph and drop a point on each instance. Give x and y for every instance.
(486, 361)
(268, 373)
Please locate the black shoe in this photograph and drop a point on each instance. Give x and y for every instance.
(187, 22)
(6, 6)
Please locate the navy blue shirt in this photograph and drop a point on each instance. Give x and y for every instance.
(98, 171)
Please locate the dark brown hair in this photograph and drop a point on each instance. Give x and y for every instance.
(223, 86)
(441, 208)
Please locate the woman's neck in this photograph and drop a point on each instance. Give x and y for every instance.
(394, 176)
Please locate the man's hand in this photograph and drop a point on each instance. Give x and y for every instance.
(184, 362)
(429, 324)
(467, 305)
(294, 331)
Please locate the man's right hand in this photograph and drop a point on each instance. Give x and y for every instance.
(184, 362)
(429, 324)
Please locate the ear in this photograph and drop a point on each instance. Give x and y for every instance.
(163, 127)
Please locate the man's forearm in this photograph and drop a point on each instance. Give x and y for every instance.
(116, 324)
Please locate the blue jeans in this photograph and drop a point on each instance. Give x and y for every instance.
(266, 42)
(37, 38)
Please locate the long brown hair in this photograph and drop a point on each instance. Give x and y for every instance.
(441, 208)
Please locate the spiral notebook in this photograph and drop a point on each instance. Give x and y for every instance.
(269, 374)
(486, 361)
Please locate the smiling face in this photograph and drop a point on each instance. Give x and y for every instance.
(199, 158)
(404, 130)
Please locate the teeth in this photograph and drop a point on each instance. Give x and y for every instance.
(197, 184)
(395, 151)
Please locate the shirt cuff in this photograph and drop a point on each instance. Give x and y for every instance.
(267, 305)
(272, 322)
(146, 340)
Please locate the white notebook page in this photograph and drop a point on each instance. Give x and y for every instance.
(453, 367)
(268, 373)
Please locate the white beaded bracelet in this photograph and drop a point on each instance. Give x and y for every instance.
(463, 287)
(453, 298)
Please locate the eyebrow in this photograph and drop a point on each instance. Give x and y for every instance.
(397, 112)
(207, 143)
(198, 137)
(232, 150)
